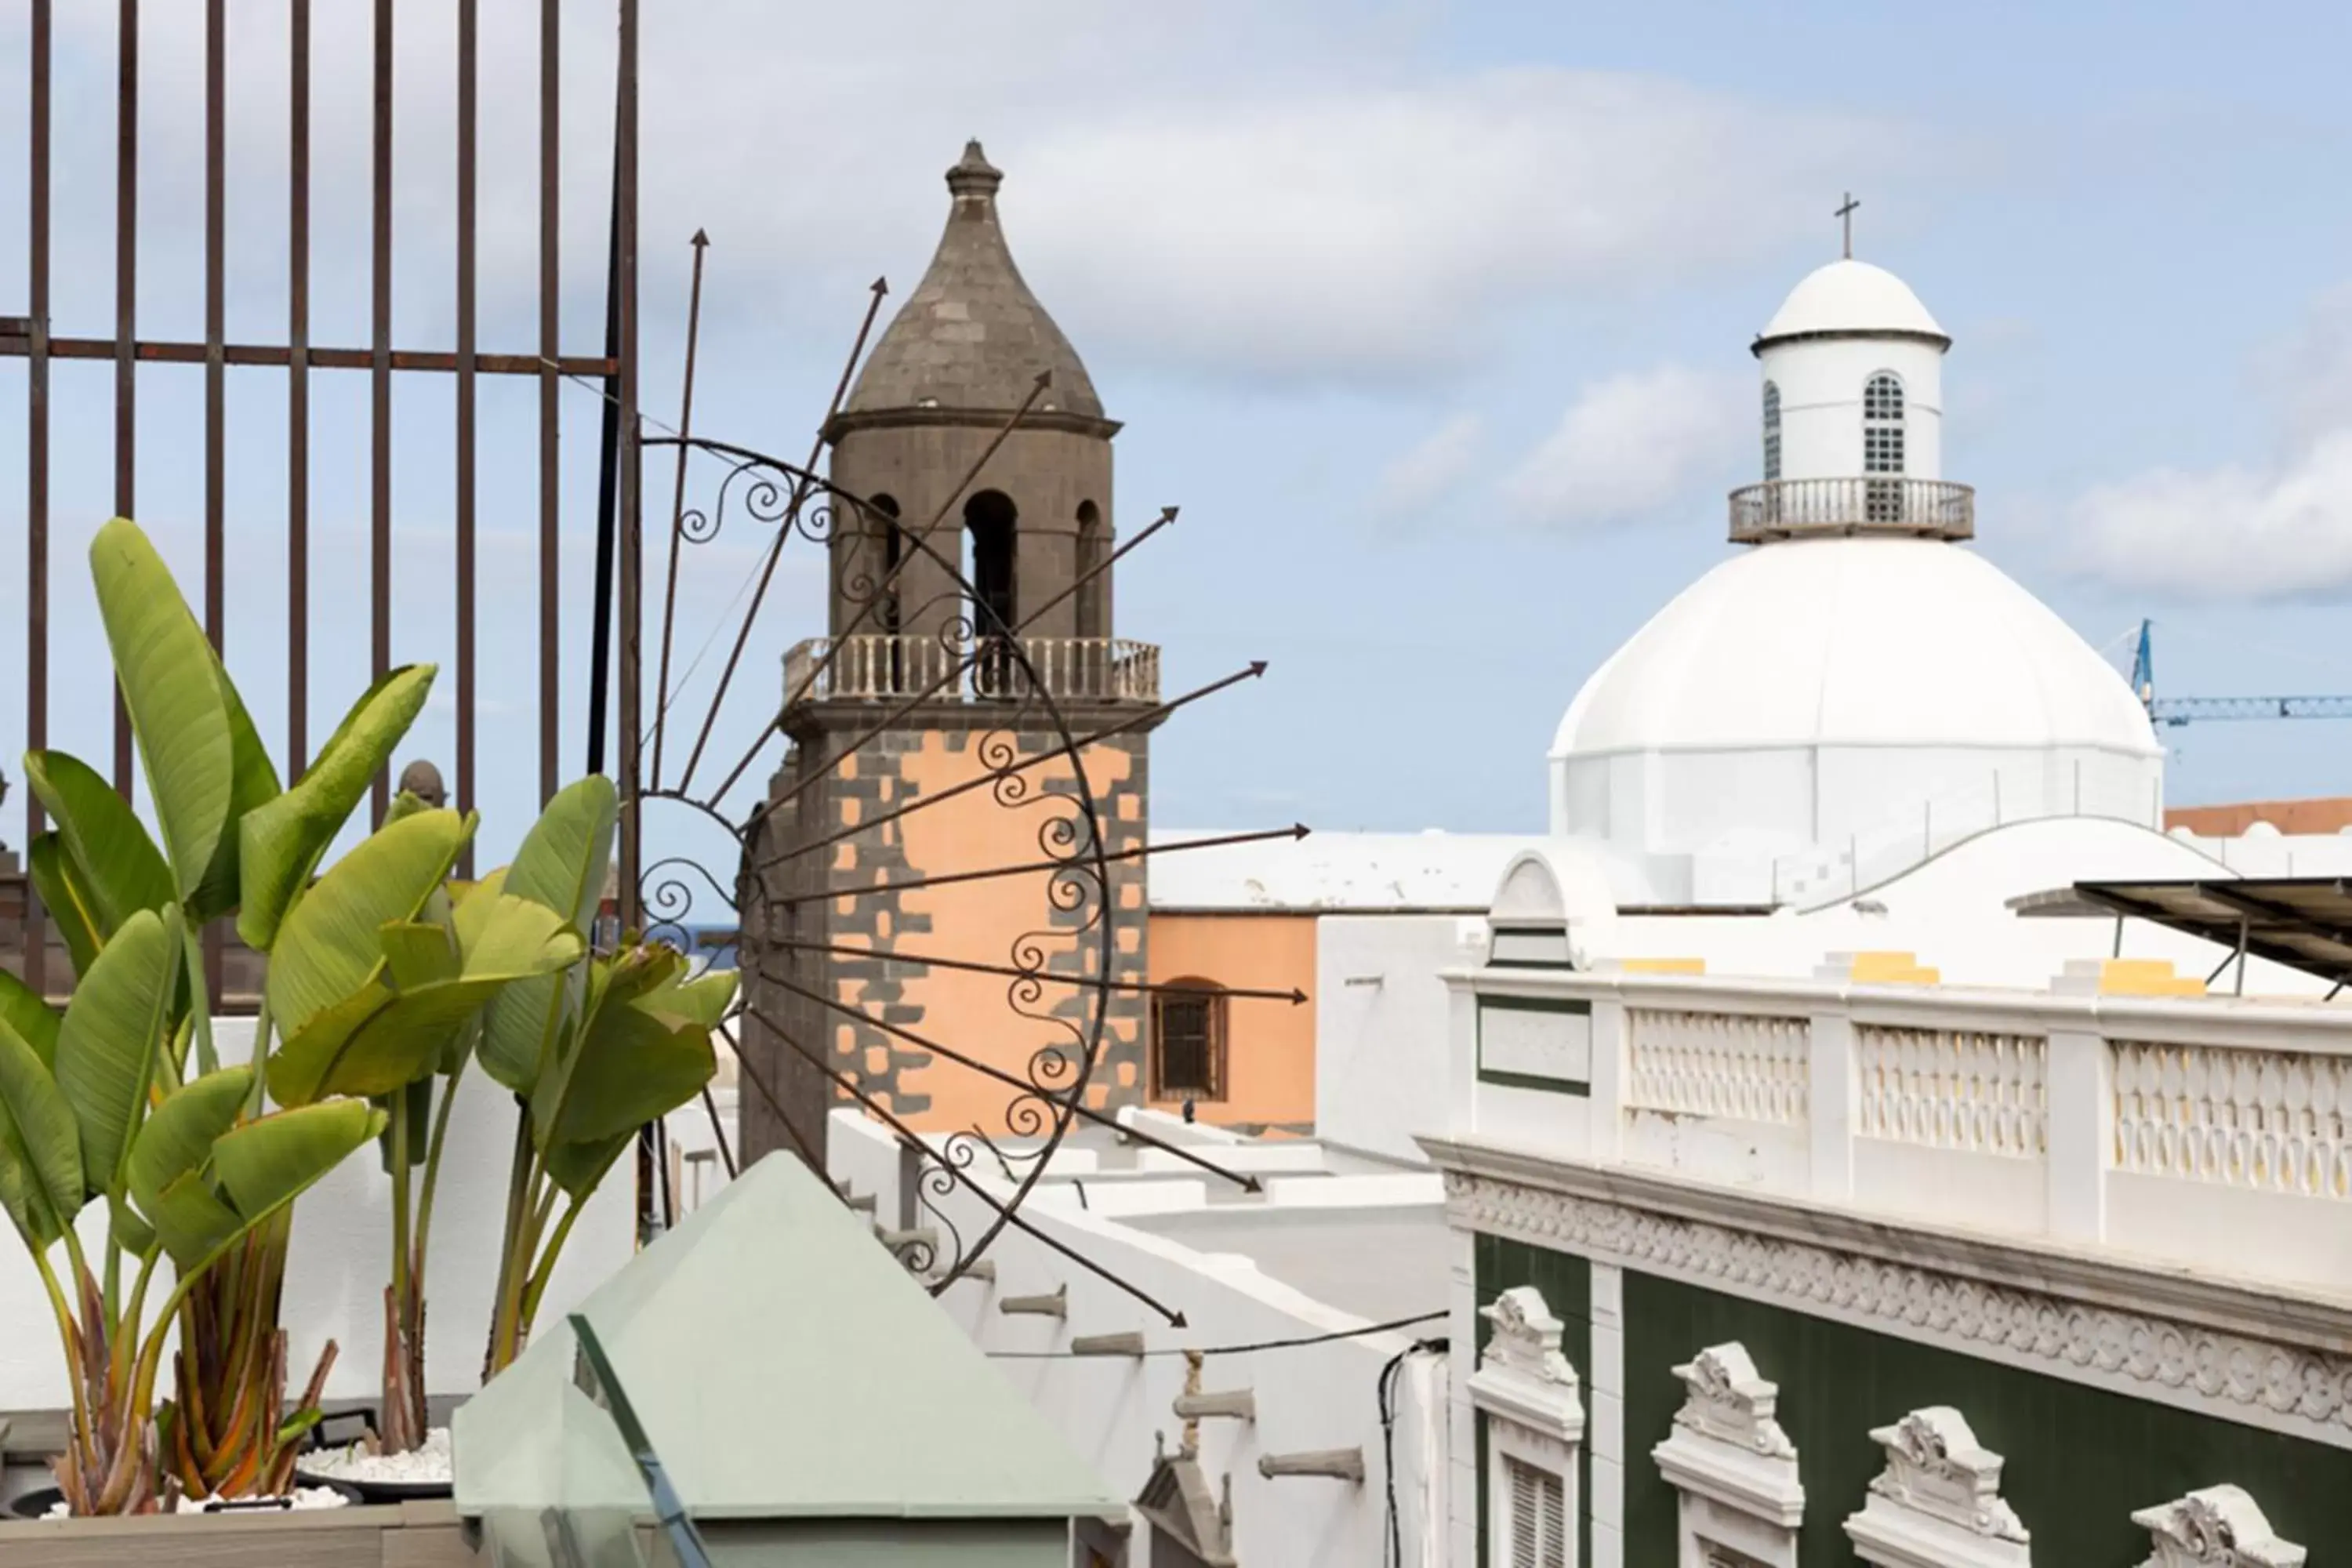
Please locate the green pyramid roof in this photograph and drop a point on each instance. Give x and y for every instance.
(783, 1364)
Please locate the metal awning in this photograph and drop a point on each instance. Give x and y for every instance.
(2303, 923)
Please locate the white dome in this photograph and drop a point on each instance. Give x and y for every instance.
(1849, 296)
(1854, 643)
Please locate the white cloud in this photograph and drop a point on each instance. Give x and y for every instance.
(1241, 190)
(1631, 445)
(1419, 477)
(2279, 529)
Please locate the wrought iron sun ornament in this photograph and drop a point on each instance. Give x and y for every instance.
(1066, 952)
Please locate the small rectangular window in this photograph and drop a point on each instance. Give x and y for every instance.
(1188, 1044)
(1538, 1516)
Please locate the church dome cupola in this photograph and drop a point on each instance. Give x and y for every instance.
(972, 339)
(1852, 413)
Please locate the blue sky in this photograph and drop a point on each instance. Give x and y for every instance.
(1432, 318)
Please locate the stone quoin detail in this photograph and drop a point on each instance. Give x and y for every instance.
(2254, 1379)
(2218, 1527)
(1938, 1503)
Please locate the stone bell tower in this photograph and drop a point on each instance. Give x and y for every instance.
(970, 586)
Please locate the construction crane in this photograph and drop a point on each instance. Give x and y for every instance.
(2174, 711)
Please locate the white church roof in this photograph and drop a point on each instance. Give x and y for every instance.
(1849, 296)
(1854, 642)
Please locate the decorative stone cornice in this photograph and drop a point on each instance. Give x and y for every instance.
(2219, 1527)
(1938, 1503)
(2266, 1383)
(1522, 1375)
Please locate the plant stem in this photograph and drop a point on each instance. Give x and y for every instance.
(433, 1164)
(511, 1253)
(400, 1205)
(199, 1004)
(70, 1338)
(260, 1061)
(546, 1266)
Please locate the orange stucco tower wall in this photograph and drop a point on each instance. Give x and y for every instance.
(895, 949)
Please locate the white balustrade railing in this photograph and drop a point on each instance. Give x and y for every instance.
(2212, 1131)
(874, 668)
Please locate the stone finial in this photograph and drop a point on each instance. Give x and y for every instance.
(973, 174)
(1729, 1401)
(2218, 1527)
(423, 779)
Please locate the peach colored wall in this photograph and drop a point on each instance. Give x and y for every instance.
(980, 921)
(2327, 814)
(1270, 1050)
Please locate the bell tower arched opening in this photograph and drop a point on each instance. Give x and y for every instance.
(992, 537)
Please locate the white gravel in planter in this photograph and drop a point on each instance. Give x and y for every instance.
(352, 1463)
(304, 1497)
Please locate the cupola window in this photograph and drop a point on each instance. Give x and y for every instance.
(1771, 430)
(1882, 445)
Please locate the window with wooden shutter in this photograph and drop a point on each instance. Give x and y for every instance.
(1188, 1041)
(1538, 1516)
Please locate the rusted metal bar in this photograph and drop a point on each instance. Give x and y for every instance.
(216, 372)
(380, 402)
(550, 683)
(36, 473)
(632, 563)
(468, 84)
(126, 318)
(701, 243)
(276, 356)
(298, 392)
(608, 496)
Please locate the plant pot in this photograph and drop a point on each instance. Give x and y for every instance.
(358, 1489)
(36, 1503)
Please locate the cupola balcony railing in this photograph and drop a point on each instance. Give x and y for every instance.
(1069, 669)
(1802, 509)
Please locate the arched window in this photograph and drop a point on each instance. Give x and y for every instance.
(1096, 592)
(1771, 430)
(1882, 445)
(1188, 1041)
(990, 540)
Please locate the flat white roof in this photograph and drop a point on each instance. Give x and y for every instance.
(1326, 872)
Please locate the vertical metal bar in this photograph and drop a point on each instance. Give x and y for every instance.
(625, 250)
(215, 374)
(701, 243)
(550, 683)
(126, 319)
(608, 458)
(380, 459)
(298, 398)
(36, 479)
(469, 28)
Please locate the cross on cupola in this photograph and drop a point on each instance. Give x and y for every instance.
(1845, 216)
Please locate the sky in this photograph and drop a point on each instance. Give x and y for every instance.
(1432, 318)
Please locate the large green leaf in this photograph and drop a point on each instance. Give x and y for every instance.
(282, 841)
(269, 1161)
(72, 905)
(112, 1035)
(31, 1017)
(167, 674)
(388, 1035)
(253, 785)
(168, 1158)
(43, 1134)
(578, 1167)
(115, 859)
(330, 944)
(631, 1066)
(565, 856)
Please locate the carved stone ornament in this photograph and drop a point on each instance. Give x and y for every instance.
(1729, 1402)
(1522, 1375)
(2279, 1387)
(2218, 1527)
(1938, 1503)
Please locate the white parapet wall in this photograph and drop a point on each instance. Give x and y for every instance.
(1118, 1410)
(2209, 1132)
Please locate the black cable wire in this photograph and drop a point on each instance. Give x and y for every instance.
(1393, 1544)
(1234, 1350)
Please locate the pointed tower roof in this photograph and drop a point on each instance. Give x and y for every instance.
(972, 338)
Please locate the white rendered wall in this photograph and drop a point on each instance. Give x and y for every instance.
(340, 1259)
(1114, 1409)
(1820, 384)
(1381, 1025)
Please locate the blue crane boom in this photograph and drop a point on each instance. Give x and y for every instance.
(2174, 711)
